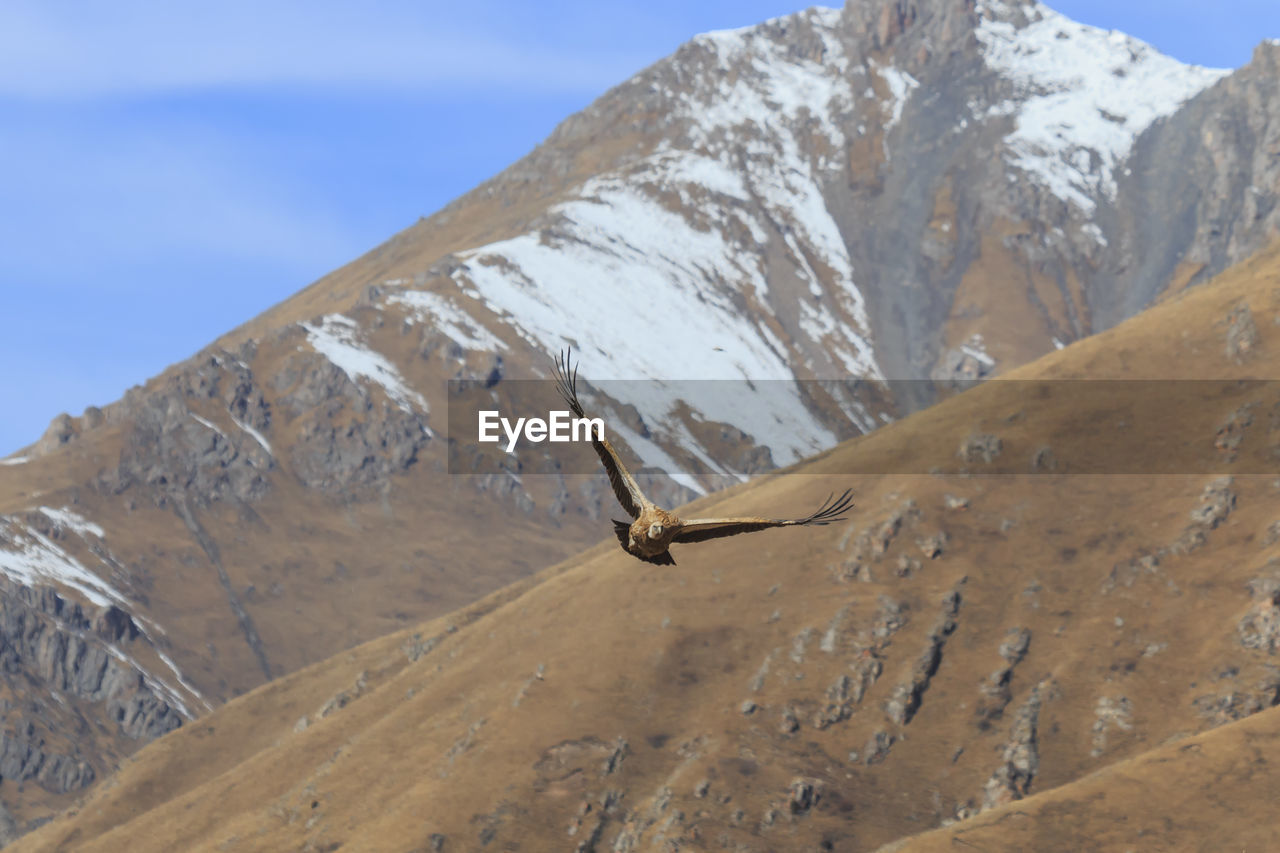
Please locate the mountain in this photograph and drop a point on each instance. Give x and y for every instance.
(896, 190)
(1051, 661)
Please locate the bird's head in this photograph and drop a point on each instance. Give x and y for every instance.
(655, 531)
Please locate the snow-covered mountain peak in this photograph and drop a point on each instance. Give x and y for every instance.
(1082, 95)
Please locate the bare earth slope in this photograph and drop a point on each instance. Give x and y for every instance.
(964, 642)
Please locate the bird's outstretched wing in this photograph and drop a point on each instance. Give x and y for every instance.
(702, 529)
(624, 485)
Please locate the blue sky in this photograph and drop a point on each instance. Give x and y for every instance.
(169, 170)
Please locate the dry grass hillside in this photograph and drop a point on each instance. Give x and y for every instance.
(1028, 661)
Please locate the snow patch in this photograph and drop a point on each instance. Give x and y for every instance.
(30, 558)
(337, 339)
(621, 266)
(188, 686)
(69, 520)
(253, 433)
(658, 270)
(208, 423)
(976, 349)
(15, 460)
(446, 317)
(1084, 95)
(900, 85)
(653, 456)
(1092, 230)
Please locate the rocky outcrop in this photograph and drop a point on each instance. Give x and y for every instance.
(23, 757)
(905, 700)
(1198, 193)
(50, 640)
(346, 437)
(996, 689)
(170, 447)
(1020, 760)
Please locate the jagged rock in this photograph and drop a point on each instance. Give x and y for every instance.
(799, 643)
(1259, 628)
(832, 636)
(1110, 713)
(905, 700)
(343, 698)
(115, 625)
(1015, 646)
(144, 717)
(1272, 534)
(61, 431)
(850, 570)
(1021, 758)
(866, 669)
(415, 647)
(877, 748)
(839, 703)
(9, 831)
(883, 536)
(51, 639)
(22, 757)
(889, 617)
(168, 450)
(1044, 461)
(1216, 503)
(996, 689)
(1237, 703)
(980, 448)
(1230, 434)
(757, 680)
(334, 454)
(804, 795)
(1189, 540)
(933, 545)
(959, 369)
(787, 722)
(1242, 334)
(621, 749)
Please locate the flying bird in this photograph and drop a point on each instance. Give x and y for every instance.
(650, 536)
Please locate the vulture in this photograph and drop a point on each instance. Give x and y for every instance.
(650, 535)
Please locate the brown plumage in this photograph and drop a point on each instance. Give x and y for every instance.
(650, 535)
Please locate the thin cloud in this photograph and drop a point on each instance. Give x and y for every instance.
(94, 50)
(136, 192)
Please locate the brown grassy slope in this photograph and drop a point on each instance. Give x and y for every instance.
(834, 687)
(1209, 792)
